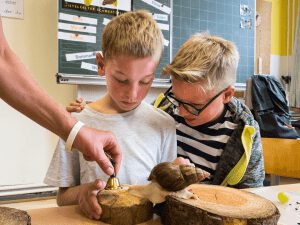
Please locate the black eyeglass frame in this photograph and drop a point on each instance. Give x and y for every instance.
(197, 111)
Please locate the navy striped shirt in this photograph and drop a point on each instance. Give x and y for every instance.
(204, 144)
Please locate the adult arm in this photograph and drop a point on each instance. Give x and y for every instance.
(19, 90)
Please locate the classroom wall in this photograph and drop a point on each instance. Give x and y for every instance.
(26, 148)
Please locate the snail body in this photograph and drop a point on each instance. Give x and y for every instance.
(169, 179)
(174, 177)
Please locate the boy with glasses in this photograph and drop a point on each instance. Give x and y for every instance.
(215, 131)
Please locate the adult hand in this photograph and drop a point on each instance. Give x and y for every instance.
(87, 199)
(95, 143)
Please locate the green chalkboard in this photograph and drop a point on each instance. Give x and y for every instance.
(79, 36)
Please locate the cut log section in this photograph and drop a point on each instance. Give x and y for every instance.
(11, 216)
(219, 205)
(121, 208)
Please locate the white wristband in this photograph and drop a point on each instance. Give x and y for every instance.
(72, 135)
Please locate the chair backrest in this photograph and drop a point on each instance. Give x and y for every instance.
(282, 157)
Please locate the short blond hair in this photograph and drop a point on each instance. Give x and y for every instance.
(208, 59)
(134, 34)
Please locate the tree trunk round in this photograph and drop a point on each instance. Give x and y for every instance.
(121, 208)
(11, 216)
(219, 205)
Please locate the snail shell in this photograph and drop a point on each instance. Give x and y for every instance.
(108, 2)
(174, 177)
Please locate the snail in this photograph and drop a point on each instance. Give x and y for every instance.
(169, 178)
(110, 2)
(174, 177)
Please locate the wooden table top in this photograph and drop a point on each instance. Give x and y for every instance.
(67, 215)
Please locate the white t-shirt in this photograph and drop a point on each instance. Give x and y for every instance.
(146, 135)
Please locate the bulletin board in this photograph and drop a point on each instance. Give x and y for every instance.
(80, 26)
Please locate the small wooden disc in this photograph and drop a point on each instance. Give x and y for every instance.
(11, 216)
(220, 205)
(121, 208)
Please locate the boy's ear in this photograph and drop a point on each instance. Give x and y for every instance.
(100, 64)
(228, 94)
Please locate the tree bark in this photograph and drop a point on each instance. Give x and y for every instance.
(219, 205)
(121, 208)
(11, 216)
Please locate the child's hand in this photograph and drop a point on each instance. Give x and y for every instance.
(76, 106)
(181, 160)
(87, 199)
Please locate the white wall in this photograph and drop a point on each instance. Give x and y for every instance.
(26, 148)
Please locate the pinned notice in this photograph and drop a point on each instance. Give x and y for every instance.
(161, 17)
(124, 5)
(78, 19)
(166, 42)
(158, 5)
(89, 66)
(82, 55)
(163, 26)
(12, 8)
(76, 37)
(105, 21)
(74, 27)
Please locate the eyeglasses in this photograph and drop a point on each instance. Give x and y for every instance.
(187, 106)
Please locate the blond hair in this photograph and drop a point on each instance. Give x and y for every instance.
(208, 59)
(134, 34)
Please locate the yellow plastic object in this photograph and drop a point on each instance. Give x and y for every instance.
(158, 100)
(237, 173)
(115, 4)
(88, 2)
(282, 197)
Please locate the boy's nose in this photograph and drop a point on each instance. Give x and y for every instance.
(132, 93)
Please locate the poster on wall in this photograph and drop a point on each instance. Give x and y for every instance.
(111, 7)
(12, 8)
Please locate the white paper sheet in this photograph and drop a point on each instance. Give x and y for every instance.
(122, 4)
(89, 66)
(162, 17)
(290, 212)
(163, 26)
(158, 5)
(77, 19)
(75, 27)
(166, 42)
(105, 21)
(76, 37)
(12, 8)
(82, 55)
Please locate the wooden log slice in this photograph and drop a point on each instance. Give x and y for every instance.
(219, 205)
(11, 216)
(121, 208)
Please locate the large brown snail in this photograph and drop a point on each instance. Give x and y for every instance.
(169, 178)
(174, 177)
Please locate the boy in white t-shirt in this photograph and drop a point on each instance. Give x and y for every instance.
(132, 45)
